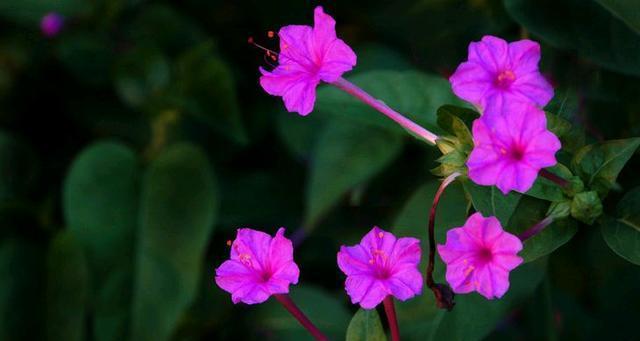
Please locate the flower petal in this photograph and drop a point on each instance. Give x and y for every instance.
(471, 82)
(354, 260)
(491, 52)
(405, 284)
(524, 56)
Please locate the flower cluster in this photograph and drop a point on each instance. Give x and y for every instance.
(511, 140)
(381, 265)
(511, 146)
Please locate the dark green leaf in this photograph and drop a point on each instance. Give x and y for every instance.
(177, 212)
(67, 289)
(347, 154)
(87, 56)
(141, 75)
(626, 10)
(599, 164)
(531, 211)
(411, 93)
(22, 288)
(325, 311)
(206, 83)
(457, 121)
(299, 133)
(490, 201)
(583, 26)
(546, 189)
(622, 233)
(100, 202)
(29, 12)
(366, 326)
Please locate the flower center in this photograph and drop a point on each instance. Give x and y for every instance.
(265, 276)
(485, 255)
(505, 78)
(515, 152)
(379, 263)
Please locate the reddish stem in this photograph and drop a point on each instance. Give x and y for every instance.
(554, 178)
(288, 304)
(406, 123)
(390, 310)
(432, 222)
(535, 229)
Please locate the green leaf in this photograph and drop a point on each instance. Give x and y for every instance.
(490, 201)
(299, 133)
(140, 75)
(177, 212)
(29, 12)
(622, 233)
(206, 83)
(67, 289)
(417, 315)
(599, 164)
(456, 121)
(411, 93)
(88, 56)
(546, 189)
(22, 288)
(347, 154)
(458, 324)
(626, 10)
(100, 204)
(583, 26)
(366, 326)
(531, 211)
(327, 312)
(100, 200)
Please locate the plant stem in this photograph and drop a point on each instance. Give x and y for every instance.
(554, 178)
(432, 221)
(535, 229)
(406, 123)
(288, 304)
(390, 310)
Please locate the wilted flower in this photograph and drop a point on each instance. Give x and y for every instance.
(498, 72)
(379, 266)
(511, 146)
(51, 24)
(260, 266)
(479, 257)
(307, 56)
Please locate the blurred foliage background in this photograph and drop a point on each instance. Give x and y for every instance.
(135, 141)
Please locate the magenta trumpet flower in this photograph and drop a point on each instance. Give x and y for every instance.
(479, 257)
(381, 265)
(260, 266)
(498, 72)
(511, 146)
(307, 56)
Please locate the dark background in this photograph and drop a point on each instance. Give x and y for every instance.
(187, 138)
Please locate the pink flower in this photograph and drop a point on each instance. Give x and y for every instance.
(260, 266)
(479, 256)
(51, 24)
(379, 266)
(511, 146)
(307, 56)
(498, 72)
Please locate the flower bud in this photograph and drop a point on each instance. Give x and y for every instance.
(586, 207)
